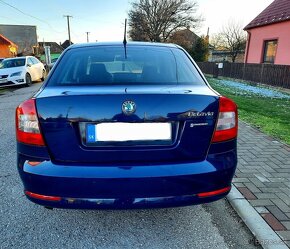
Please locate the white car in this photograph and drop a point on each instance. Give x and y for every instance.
(21, 70)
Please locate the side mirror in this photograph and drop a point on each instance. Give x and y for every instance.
(29, 64)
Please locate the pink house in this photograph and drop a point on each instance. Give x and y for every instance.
(269, 35)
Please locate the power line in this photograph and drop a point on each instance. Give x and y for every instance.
(26, 14)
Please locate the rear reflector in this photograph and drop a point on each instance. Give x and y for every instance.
(215, 192)
(42, 197)
(227, 124)
(32, 163)
(27, 128)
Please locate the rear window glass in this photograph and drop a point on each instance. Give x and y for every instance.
(105, 65)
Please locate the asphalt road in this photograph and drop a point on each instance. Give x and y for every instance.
(26, 225)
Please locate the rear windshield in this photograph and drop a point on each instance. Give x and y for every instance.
(104, 65)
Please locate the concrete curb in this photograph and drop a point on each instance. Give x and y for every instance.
(263, 233)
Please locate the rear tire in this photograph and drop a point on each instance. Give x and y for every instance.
(28, 80)
(43, 75)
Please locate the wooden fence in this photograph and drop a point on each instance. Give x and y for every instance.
(274, 75)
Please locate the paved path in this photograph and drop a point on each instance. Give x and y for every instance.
(263, 177)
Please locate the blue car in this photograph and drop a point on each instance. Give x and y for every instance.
(131, 125)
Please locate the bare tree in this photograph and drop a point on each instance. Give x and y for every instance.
(232, 38)
(156, 20)
(138, 26)
(216, 41)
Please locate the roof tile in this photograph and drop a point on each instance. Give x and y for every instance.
(277, 11)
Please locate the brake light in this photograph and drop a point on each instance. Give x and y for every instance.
(27, 127)
(215, 192)
(227, 124)
(43, 197)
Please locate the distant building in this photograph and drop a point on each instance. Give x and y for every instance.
(23, 35)
(66, 44)
(7, 48)
(225, 56)
(55, 48)
(185, 38)
(269, 35)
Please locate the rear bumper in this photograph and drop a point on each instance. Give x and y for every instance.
(97, 187)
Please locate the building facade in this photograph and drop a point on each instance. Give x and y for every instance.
(269, 35)
(23, 35)
(7, 48)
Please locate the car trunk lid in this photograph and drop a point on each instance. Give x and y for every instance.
(67, 114)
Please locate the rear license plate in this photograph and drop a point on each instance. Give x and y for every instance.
(122, 132)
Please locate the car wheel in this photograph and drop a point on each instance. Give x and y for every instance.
(28, 80)
(43, 75)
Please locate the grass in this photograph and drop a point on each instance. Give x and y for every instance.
(270, 115)
(2, 90)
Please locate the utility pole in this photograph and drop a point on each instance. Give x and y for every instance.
(88, 36)
(68, 27)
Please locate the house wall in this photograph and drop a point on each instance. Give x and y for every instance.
(257, 36)
(5, 51)
(221, 57)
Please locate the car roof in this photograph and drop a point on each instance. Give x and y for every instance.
(16, 58)
(129, 44)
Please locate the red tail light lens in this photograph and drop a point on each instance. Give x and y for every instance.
(227, 124)
(27, 127)
(43, 197)
(215, 192)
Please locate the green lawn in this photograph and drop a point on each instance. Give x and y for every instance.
(2, 90)
(270, 115)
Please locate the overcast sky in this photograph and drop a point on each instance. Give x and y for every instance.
(104, 19)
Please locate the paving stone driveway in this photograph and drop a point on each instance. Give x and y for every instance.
(263, 177)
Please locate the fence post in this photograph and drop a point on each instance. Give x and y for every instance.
(216, 70)
(262, 73)
(286, 78)
(244, 71)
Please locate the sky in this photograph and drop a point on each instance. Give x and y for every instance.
(104, 19)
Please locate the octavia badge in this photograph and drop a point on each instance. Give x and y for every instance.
(128, 107)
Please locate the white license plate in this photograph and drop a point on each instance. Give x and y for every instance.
(120, 132)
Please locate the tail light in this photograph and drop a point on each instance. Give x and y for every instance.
(227, 124)
(27, 127)
(215, 192)
(42, 197)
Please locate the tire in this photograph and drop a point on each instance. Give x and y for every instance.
(43, 75)
(28, 80)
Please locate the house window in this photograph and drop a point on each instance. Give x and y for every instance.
(270, 48)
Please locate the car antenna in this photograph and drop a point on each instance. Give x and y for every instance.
(125, 39)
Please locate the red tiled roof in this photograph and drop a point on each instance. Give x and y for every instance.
(277, 11)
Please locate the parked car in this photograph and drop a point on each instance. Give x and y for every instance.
(21, 70)
(129, 126)
(53, 61)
